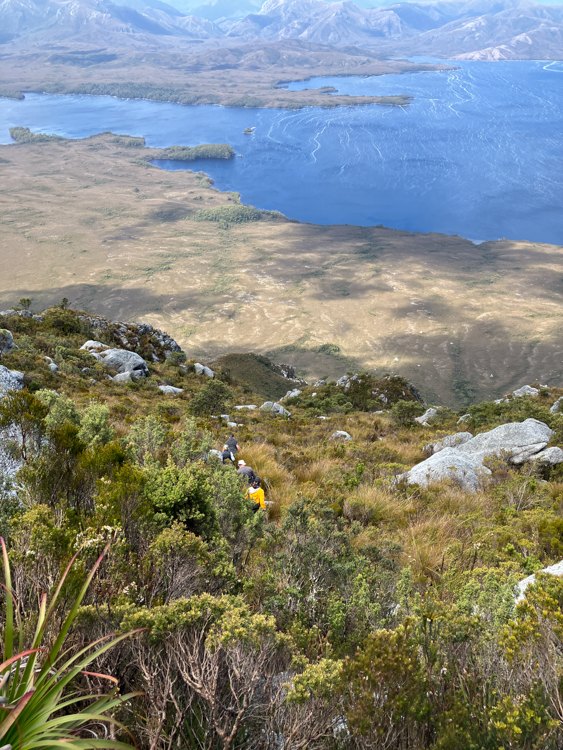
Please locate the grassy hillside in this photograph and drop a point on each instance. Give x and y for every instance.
(356, 609)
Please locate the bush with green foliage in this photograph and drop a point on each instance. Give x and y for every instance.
(212, 398)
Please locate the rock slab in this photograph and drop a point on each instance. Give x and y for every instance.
(6, 341)
(275, 408)
(462, 462)
(450, 464)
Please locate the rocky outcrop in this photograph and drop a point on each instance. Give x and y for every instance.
(10, 380)
(450, 441)
(275, 408)
(291, 394)
(556, 408)
(449, 464)
(289, 372)
(128, 365)
(526, 390)
(515, 441)
(6, 341)
(203, 370)
(463, 460)
(170, 390)
(427, 417)
(155, 344)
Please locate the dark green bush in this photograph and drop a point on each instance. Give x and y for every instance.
(211, 399)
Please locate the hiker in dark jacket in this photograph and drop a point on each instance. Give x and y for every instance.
(246, 471)
(231, 445)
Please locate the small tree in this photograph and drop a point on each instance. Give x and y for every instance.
(404, 412)
(25, 303)
(26, 413)
(211, 399)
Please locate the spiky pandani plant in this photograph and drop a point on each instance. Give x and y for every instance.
(38, 708)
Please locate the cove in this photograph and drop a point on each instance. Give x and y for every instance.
(478, 153)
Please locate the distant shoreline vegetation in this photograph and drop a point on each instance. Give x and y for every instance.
(172, 153)
(181, 95)
(205, 151)
(150, 91)
(9, 94)
(24, 135)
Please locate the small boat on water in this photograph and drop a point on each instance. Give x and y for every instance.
(239, 155)
(249, 131)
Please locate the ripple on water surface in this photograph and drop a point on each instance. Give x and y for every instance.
(478, 153)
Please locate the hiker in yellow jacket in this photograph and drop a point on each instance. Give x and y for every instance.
(256, 494)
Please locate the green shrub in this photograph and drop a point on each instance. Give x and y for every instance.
(234, 214)
(182, 495)
(404, 412)
(211, 399)
(62, 320)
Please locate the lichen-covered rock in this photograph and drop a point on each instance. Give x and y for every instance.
(118, 359)
(170, 390)
(549, 457)
(94, 346)
(449, 464)
(428, 415)
(52, 365)
(450, 441)
(10, 380)
(526, 390)
(203, 370)
(291, 394)
(6, 341)
(340, 435)
(556, 408)
(516, 441)
(275, 408)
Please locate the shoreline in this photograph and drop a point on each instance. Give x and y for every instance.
(147, 155)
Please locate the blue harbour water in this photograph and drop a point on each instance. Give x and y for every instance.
(478, 153)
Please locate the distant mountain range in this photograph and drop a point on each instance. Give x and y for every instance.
(465, 29)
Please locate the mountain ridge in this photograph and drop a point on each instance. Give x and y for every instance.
(478, 29)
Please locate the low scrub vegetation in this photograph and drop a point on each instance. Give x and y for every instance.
(236, 214)
(24, 135)
(130, 90)
(207, 151)
(356, 612)
(11, 94)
